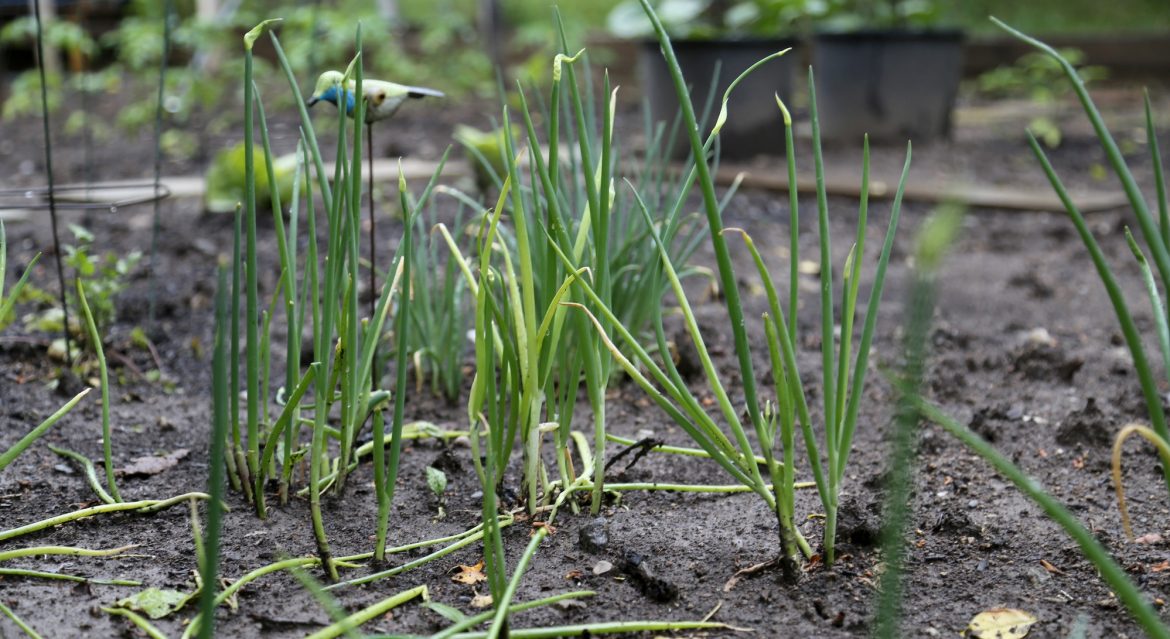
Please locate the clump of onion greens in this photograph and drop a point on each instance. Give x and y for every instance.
(842, 373)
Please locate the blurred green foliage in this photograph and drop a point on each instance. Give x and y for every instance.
(437, 43)
(103, 278)
(713, 18)
(1039, 78)
(431, 42)
(226, 181)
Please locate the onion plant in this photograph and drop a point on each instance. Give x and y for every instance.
(1157, 239)
(439, 312)
(9, 455)
(7, 303)
(1154, 232)
(95, 341)
(562, 201)
(318, 293)
(209, 566)
(108, 493)
(842, 373)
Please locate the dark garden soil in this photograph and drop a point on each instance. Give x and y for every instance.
(1026, 350)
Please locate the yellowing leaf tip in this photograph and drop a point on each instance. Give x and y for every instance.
(562, 58)
(257, 31)
(783, 110)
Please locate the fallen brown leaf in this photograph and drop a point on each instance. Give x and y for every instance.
(469, 574)
(481, 601)
(1050, 568)
(1162, 567)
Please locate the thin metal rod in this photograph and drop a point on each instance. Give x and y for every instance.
(158, 123)
(49, 178)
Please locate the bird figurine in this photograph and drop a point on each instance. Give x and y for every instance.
(383, 99)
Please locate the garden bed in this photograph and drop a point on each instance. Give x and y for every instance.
(1026, 350)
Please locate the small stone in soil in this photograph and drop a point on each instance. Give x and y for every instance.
(593, 537)
(857, 522)
(643, 578)
(1084, 427)
(602, 567)
(1038, 575)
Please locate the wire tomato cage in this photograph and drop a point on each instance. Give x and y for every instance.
(110, 196)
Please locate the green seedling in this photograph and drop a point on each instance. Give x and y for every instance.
(7, 303)
(33, 435)
(102, 278)
(95, 341)
(1039, 78)
(437, 483)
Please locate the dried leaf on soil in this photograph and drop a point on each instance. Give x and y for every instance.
(153, 464)
(469, 574)
(1051, 568)
(1000, 623)
(481, 601)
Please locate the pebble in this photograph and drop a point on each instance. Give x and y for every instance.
(1038, 575)
(602, 567)
(593, 537)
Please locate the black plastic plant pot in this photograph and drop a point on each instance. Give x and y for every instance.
(754, 124)
(894, 85)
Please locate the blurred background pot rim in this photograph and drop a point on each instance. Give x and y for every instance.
(893, 34)
(729, 42)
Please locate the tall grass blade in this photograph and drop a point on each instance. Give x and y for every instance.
(1111, 572)
(934, 240)
(95, 341)
(216, 466)
(8, 456)
(1128, 328)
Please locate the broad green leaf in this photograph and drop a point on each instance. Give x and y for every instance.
(436, 481)
(155, 602)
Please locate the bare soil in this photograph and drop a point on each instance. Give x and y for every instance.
(1052, 400)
